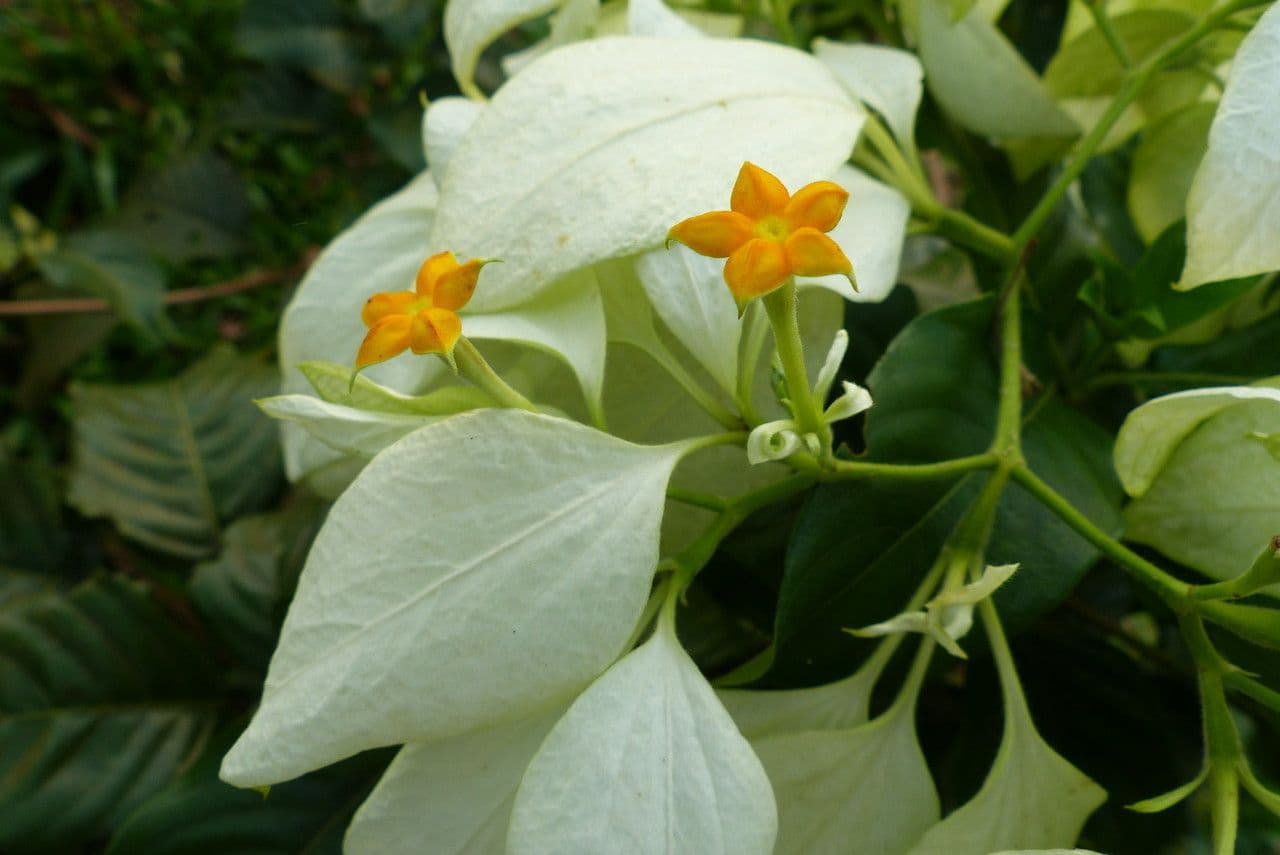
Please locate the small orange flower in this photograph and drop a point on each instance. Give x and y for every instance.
(769, 235)
(423, 320)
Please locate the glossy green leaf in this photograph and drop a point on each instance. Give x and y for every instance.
(935, 393)
(200, 814)
(1164, 165)
(170, 462)
(979, 78)
(103, 701)
(115, 267)
(242, 593)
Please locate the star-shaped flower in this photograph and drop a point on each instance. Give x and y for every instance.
(423, 320)
(769, 235)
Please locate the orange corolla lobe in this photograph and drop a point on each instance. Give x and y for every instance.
(770, 235)
(423, 320)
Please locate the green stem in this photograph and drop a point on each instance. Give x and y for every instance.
(1098, 8)
(690, 561)
(1134, 82)
(1245, 685)
(850, 470)
(704, 399)
(733, 437)
(955, 225)
(1173, 591)
(754, 330)
(1223, 752)
(1008, 437)
(697, 499)
(781, 308)
(473, 366)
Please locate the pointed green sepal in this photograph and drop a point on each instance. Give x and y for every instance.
(1164, 801)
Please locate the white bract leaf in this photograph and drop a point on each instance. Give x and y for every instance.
(835, 706)
(1032, 797)
(831, 366)
(653, 18)
(446, 590)
(470, 26)
(645, 761)
(451, 797)
(863, 791)
(1233, 209)
(1212, 501)
(688, 292)
(982, 81)
(1152, 432)
(871, 234)
(349, 430)
(578, 158)
(444, 124)
(576, 20)
(888, 80)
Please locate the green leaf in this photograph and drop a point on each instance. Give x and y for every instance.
(103, 701)
(935, 398)
(195, 207)
(979, 78)
(169, 462)
(115, 267)
(200, 814)
(304, 34)
(1141, 302)
(332, 382)
(242, 594)
(31, 532)
(1087, 65)
(1164, 165)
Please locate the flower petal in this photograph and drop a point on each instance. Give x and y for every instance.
(817, 206)
(756, 268)
(435, 331)
(386, 303)
(715, 235)
(431, 271)
(811, 253)
(758, 193)
(454, 287)
(386, 338)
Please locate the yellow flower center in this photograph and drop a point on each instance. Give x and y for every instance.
(772, 227)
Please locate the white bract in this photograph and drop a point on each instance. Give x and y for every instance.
(446, 589)
(645, 761)
(578, 158)
(1233, 209)
(1032, 797)
(472, 25)
(1175, 450)
(888, 80)
(948, 617)
(454, 794)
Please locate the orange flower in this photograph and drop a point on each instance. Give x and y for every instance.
(423, 320)
(769, 235)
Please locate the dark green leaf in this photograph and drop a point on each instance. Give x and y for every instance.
(103, 701)
(31, 534)
(243, 593)
(117, 268)
(196, 207)
(169, 462)
(860, 548)
(200, 814)
(302, 34)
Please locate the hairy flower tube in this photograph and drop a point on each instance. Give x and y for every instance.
(423, 320)
(770, 235)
